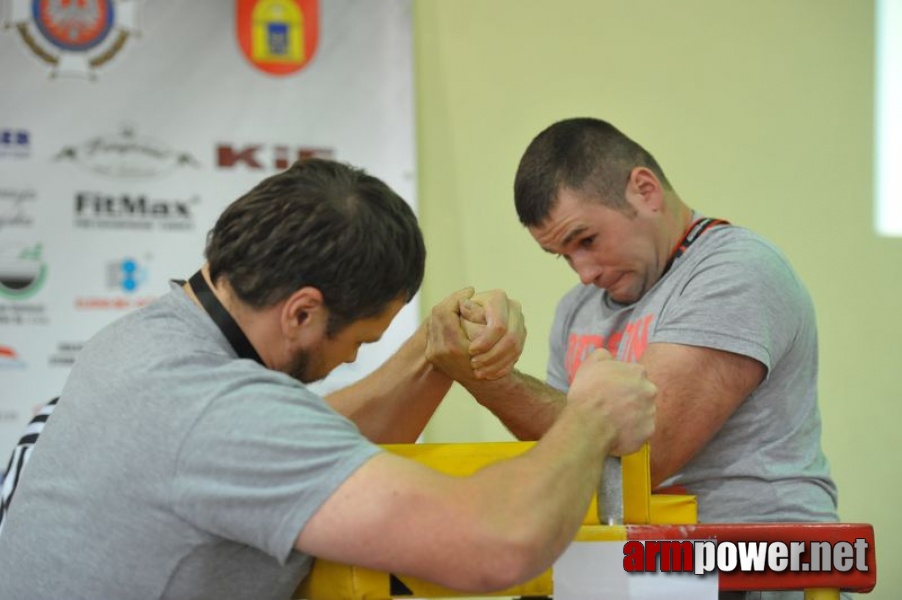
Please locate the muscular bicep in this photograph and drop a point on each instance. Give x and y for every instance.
(699, 388)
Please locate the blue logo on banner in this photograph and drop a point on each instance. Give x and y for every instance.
(14, 142)
(127, 275)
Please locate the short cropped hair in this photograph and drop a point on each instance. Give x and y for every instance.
(587, 155)
(321, 224)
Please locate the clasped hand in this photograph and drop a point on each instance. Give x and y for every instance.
(475, 336)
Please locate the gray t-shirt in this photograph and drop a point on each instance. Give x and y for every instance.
(731, 291)
(173, 469)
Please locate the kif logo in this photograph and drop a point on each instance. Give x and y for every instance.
(14, 143)
(260, 156)
(74, 37)
(22, 271)
(278, 37)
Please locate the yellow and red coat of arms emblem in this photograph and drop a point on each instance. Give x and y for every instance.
(278, 37)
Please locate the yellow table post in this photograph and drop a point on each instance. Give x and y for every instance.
(822, 594)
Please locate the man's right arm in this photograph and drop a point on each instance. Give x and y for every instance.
(505, 524)
(526, 406)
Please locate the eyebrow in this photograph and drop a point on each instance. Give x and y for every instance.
(568, 238)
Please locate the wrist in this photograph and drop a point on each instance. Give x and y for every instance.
(594, 428)
(489, 391)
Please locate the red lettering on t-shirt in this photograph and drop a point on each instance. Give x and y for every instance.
(627, 344)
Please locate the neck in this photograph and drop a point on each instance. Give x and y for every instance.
(255, 324)
(678, 220)
(682, 221)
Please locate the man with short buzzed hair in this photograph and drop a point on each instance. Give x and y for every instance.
(714, 312)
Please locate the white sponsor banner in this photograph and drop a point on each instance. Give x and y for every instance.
(126, 127)
(595, 571)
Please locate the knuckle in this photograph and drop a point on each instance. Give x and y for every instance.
(496, 329)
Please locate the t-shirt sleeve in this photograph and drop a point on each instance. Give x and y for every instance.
(744, 299)
(556, 369)
(255, 468)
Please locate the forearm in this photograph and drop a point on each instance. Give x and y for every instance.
(544, 494)
(526, 406)
(497, 528)
(394, 403)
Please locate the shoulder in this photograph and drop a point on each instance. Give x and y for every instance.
(737, 243)
(739, 254)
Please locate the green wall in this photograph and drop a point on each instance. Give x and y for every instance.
(760, 112)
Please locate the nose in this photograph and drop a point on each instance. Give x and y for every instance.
(352, 357)
(587, 270)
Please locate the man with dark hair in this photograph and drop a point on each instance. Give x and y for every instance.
(186, 458)
(715, 313)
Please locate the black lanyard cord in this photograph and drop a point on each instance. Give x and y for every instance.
(222, 318)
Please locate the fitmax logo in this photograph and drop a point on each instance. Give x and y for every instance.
(124, 206)
(133, 212)
(260, 156)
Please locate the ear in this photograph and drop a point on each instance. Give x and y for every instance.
(304, 314)
(644, 190)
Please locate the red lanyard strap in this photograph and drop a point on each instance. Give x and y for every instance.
(694, 232)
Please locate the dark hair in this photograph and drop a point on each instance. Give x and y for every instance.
(325, 225)
(584, 154)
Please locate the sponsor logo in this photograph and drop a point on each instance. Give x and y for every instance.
(23, 314)
(65, 354)
(15, 143)
(22, 272)
(117, 303)
(126, 275)
(9, 359)
(126, 155)
(269, 157)
(133, 211)
(14, 207)
(278, 37)
(707, 556)
(74, 37)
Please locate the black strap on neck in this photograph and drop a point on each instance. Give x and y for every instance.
(695, 231)
(222, 318)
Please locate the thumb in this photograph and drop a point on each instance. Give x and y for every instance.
(473, 312)
(454, 300)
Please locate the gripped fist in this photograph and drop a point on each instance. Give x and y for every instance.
(447, 344)
(618, 396)
(495, 327)
(475, 336)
